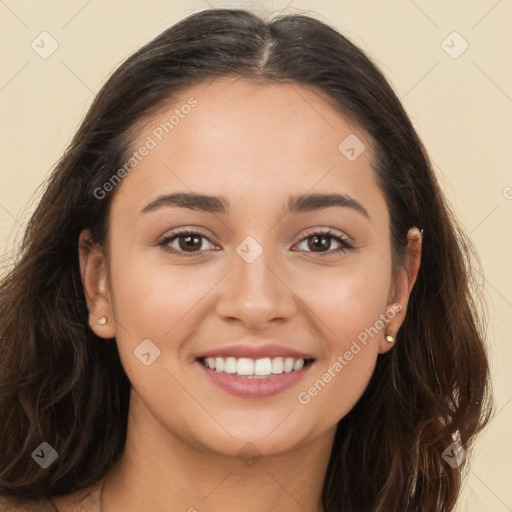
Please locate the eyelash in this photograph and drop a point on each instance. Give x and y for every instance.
(345, 245)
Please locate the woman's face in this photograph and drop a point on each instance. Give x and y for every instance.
(258, 172)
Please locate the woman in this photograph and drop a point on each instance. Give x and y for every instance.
(241, 289)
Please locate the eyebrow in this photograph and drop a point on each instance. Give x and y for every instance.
(219, 205)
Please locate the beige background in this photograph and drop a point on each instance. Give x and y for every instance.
(462, 108)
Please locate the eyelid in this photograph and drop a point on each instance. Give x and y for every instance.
(346, 242)
(327, 231)
(166, 239)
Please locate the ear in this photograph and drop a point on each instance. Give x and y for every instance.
(401, 287)
(93, 270)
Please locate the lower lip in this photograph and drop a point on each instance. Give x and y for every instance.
(255, 388)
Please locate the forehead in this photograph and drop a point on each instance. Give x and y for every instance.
(252, 141)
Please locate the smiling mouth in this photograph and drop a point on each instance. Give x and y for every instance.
(249, 368)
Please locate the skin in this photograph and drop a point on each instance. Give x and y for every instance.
(256, 145)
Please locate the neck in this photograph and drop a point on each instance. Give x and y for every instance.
(159, 469)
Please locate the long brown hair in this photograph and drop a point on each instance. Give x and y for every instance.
(62, 385)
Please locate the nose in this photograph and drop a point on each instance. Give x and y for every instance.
(256, 293)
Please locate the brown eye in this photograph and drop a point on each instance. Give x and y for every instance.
(320, 243)
(184, 242)
(190, 242)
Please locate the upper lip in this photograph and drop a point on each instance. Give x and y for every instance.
(255, 351)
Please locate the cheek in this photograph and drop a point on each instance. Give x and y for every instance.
(151, 297)
(158, 302)
(350, 304)
(347, 299)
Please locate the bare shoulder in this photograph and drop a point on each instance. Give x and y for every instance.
(10, 504)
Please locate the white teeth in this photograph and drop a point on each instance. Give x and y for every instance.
(254, 368)
(277, 365)
(244, 366)
(230, 366)
(298, 364)
(219, 364)
(263, 366)
(288, 364)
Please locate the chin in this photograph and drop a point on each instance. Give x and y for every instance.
(258, 436)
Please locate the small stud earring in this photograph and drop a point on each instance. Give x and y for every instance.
(390, 339)
(102, 320)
